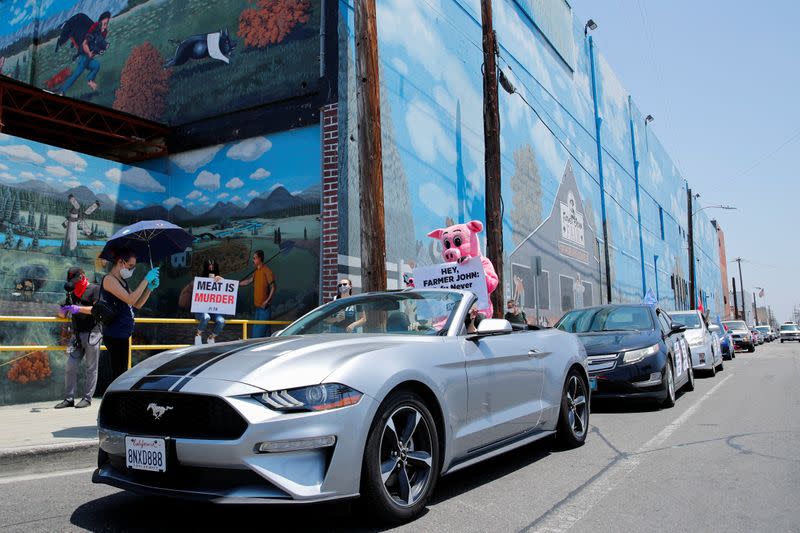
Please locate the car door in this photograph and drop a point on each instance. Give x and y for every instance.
(504, 380)
(676, 344)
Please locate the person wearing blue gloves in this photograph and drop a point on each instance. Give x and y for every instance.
(118, 295)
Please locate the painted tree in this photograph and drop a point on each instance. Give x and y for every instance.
(270, 21)
(35, 367)
(143, 83)
(42, 224)
(526, 188)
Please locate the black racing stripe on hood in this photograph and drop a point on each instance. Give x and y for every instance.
(160, 383)
(184, 364)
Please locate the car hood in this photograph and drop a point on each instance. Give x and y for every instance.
(693, 335)
(269, 364)
(608, 342)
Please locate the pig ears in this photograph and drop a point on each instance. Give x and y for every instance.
(475, 226)
(436, 234)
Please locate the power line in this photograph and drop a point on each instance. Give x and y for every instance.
(792, 138)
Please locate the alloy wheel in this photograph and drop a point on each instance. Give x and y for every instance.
(406, 456)
(578, 413)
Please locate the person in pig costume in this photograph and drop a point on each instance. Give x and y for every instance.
(460, 243)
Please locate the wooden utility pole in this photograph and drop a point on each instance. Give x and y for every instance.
(491, 136)
(370, 161)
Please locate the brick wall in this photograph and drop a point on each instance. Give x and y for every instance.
(330, 202)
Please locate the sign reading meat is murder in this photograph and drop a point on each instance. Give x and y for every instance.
(468, 276)
(209, 296)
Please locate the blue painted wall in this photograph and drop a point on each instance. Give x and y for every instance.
(430, 60)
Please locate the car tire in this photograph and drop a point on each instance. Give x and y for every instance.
(409, 477)
(751, 349)
(573, 417)
(713, 370)
(721, 366)
(781, 341)
(669, 385)
(690, 382)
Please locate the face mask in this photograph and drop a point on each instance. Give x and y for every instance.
(344, 288)
(80, 287)
(126, 272)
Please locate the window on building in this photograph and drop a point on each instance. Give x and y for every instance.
(528, 296)
(544, 290)
(661, 220)
(553, 18)
(567, 293)
(588, 301)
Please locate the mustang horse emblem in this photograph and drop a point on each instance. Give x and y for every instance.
(157, 410)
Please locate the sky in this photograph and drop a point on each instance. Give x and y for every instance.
(721, 80)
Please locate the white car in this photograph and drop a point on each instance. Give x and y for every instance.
(703, 343)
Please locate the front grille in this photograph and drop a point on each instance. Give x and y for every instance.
(600, 363)
(190, 416)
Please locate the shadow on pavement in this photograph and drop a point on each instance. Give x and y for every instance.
(130, 512)
(124, 511)
(80, 432)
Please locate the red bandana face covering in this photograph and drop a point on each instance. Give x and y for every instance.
(80, 286)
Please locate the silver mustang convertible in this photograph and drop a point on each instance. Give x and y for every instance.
(374, 395)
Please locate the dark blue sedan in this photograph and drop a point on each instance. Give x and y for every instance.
(634, 351)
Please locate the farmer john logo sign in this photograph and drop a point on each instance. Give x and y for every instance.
(467, 276)
(209, 296)
(572, 222)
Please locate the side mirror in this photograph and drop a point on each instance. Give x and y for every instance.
(677, 328)
(494, 326)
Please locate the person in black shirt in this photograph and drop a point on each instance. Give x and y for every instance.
(85, 340)
(514, 314)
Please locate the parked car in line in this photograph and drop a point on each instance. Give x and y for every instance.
(634, 351)
(758, 338)
(704, 344)
(317, 413)
(725, 341)
(742, 337)
(789, 332)
(766, 332)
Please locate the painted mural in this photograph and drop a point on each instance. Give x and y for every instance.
(431, 108)
(58, 208)
(173, 61)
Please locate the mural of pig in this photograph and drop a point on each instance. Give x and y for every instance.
(459, 243)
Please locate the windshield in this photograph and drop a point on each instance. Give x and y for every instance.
(690, 320)
(406, 313)
(606, 319)
(788, 327)
(763, 329)
(736, 325)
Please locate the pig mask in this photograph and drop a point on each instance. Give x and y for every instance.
(459, 242)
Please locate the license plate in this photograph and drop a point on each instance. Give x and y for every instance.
(146, 453)
(592, 384)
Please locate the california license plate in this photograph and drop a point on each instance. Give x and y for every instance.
(146, 453)
(592, 384)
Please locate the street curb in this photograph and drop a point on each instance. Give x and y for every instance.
(39, 458)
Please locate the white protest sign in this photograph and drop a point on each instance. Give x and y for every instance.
(468, 276)
(209, 296)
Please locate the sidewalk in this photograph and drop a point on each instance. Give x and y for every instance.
(37, 432)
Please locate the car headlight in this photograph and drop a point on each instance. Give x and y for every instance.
(696, 343)
(313, 398)
(634, 356)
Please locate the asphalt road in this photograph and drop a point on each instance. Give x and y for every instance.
(725, 458)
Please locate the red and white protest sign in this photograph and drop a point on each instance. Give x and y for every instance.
(209, 296)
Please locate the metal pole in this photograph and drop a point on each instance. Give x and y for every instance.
(491, 136)
(373, 230)
(598, 122)
(638, 205)
(735, 301)
(692, 288)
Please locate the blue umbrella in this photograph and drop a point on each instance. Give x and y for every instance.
(150, 240)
